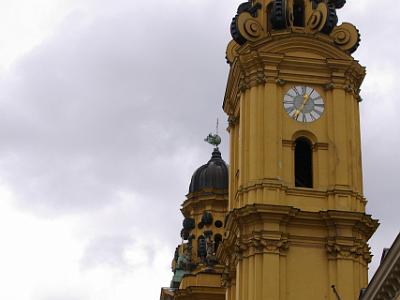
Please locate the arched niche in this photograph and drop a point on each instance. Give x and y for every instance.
(305, 134)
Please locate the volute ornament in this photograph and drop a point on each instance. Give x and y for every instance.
(259, 19)
(231, 51)
(249, 27)
(245, 25)
(346, 37)
(317, 19)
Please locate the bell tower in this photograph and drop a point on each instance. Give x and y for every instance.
(296, 228)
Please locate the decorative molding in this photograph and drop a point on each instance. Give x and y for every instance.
(281, 81)
(200, 292)
(241, 243)
(354, 246)
(348, 88)
(238, 245)
(275, 184)
(316, 146)
(288, 143)
(261, 242)
(233, 121)
(228, 278)
(329, 86)
(321, 146)
(231, 51)
(268, 61)
(357, 249)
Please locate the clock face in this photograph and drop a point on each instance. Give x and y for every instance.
(303, 104)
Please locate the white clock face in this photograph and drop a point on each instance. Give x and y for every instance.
(303, 104)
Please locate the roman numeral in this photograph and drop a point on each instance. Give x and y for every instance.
(314, 99)
(319, 113)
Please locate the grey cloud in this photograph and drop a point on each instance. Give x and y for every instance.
(107, 250)
(113, 251)
(117, 105)
(102, 108)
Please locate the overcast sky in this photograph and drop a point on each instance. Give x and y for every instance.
(103, 109)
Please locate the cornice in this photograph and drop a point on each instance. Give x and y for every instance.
(241, 243)
(208, 197)
(236, 246)
(200, 293)
(206, 192)
(302, 133)
(299, 59)
(349, 247)
(296, 191)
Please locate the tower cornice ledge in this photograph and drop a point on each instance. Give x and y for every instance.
(202, 202)
(299, 59)
(263, 228)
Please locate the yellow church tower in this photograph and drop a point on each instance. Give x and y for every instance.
(197, 271)
(296, 227)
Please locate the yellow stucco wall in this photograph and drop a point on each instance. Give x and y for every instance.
(292, 243)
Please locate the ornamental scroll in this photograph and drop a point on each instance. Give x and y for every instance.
(260, 18)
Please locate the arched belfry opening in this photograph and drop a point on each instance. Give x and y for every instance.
(298, 13)
(303, 163)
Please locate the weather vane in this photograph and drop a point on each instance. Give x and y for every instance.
(214, 139)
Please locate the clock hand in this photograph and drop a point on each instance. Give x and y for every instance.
(298, 111)
(306, 98)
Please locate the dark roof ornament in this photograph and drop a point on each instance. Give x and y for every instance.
(213, 174)
(338, 3)
(279, 14)
(259, 19)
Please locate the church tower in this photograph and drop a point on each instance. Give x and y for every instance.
(197, 271)
(297, 227)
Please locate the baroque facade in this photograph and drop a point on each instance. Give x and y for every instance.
(292, 222)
